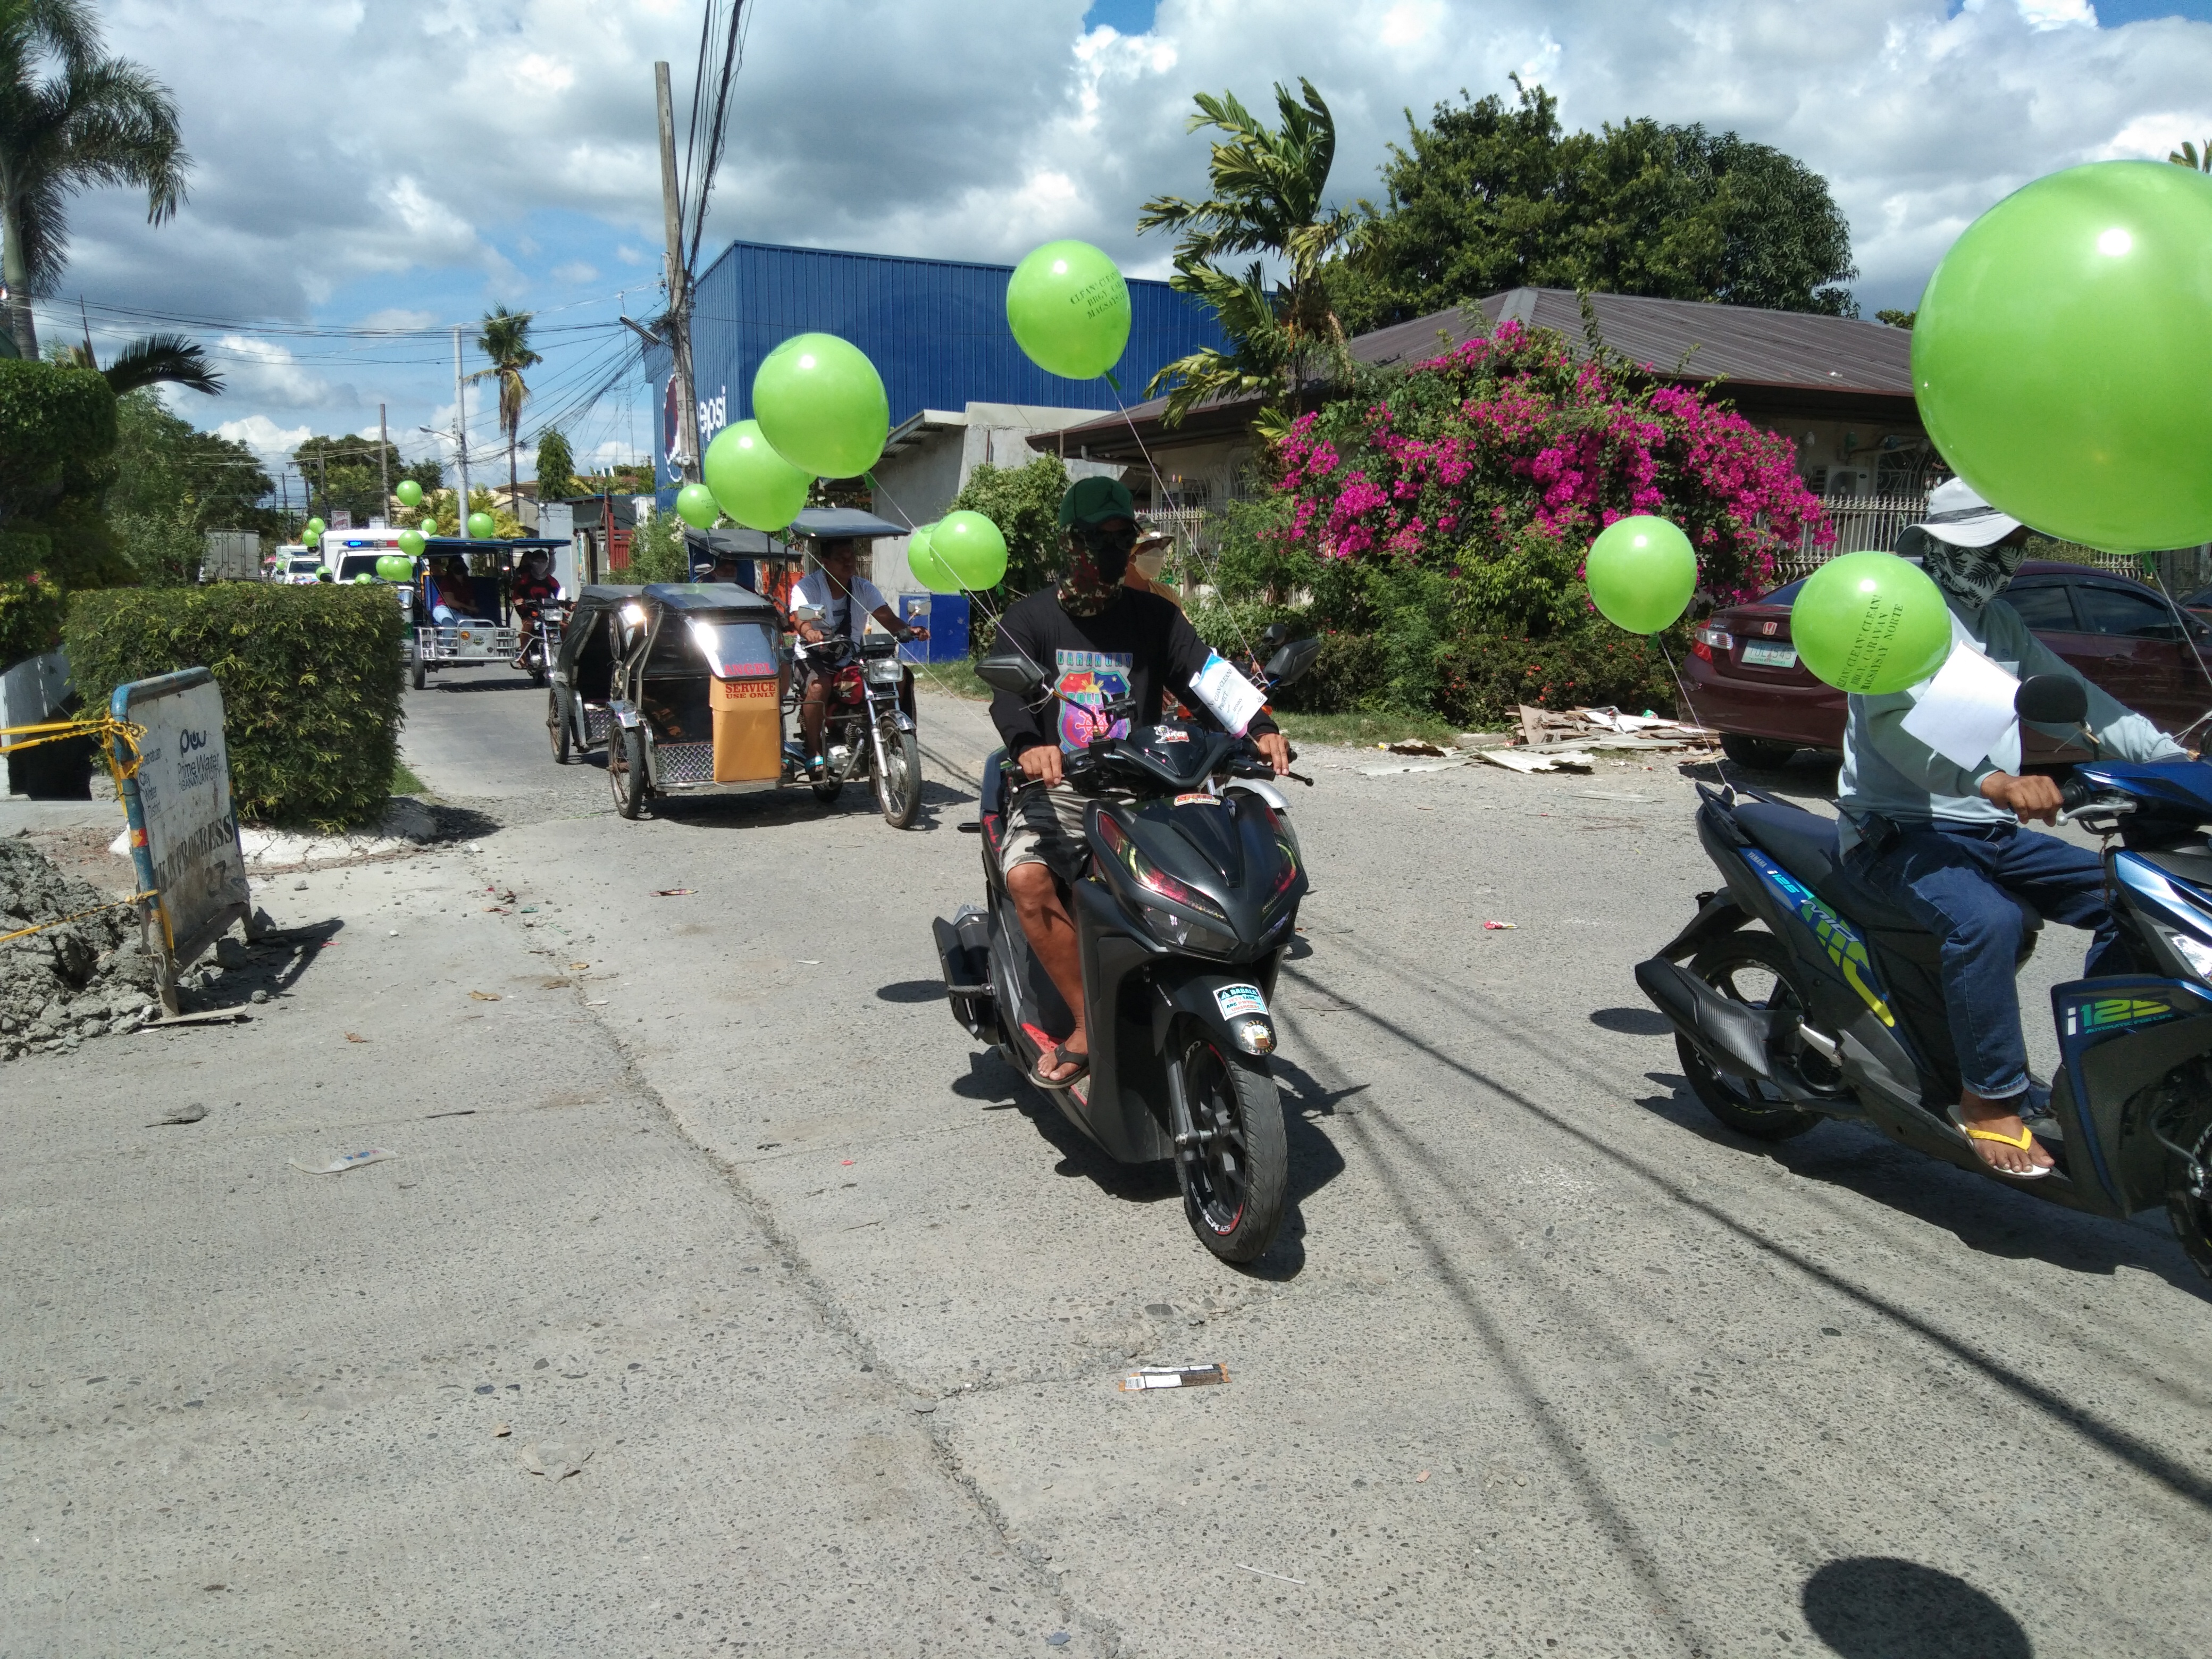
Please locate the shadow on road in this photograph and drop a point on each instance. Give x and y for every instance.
(1879, 1608)
(1632, 1022)
(274, 963)
(1987, 1218)
(516, 681)
(912, 991)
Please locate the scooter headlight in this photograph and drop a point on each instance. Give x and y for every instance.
(2195, 952)
(1148, 875)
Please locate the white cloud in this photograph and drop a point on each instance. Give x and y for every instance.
(576, 273)
(270, 442)
(265, 372)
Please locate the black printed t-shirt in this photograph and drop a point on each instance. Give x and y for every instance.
(1141, 646)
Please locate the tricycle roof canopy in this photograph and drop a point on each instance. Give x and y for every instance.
(491, 544)
(707, 596)
(838, 523)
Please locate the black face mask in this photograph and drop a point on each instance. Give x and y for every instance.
(1110, 547)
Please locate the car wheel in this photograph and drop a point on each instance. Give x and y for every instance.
(1760, 754)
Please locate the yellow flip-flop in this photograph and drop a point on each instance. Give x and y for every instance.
(2024, 1141)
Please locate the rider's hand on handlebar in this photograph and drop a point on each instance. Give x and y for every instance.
(1040, 762)
(2031, 799)
(1275, 748)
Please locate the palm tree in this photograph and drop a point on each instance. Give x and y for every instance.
(151, 359)
(1268, 185)
(92, 120)
(505, 338)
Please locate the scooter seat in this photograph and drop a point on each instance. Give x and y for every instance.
(1805, 844)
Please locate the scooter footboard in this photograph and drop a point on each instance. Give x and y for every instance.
(964, 954)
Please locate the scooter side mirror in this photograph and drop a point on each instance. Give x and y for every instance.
(1273, 637)
(2051, 700)
(1292, 661)
(1011, 672)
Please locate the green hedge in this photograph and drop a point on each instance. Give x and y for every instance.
(1479, 680)
(311, 680)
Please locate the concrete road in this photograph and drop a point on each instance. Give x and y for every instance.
(1545, 1362)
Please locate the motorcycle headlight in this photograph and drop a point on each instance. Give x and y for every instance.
(1184, 934)
(2195, 952)
(1149, 876)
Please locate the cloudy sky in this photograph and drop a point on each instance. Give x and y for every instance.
(370, 170)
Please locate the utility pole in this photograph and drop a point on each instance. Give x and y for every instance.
(461, 431)
(685, 461)
(382, 462)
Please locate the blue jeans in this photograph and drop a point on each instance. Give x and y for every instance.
(1949, 875)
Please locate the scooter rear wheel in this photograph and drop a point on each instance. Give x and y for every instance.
(1233, 1189)
(1753, 969)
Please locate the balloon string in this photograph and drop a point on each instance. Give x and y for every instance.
(1211, 571)
(1720, 756)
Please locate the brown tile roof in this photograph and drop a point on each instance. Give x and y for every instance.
(1784, 351)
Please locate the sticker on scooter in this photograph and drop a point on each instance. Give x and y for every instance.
(1845, 949)
(2116, 1014)
(1196, 800)
(1169, 734)
(1238, 999)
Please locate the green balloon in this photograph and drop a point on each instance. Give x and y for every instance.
(398, 567)
(314, 528)
(969, 546)
(1871, 622)
(929, 570)
(1641, 571)
(481, 526)
(695, 505)
(821, 404)
(2059, 355)
(1069, 308)
(430, 526)
(410, 544)
(363, 577)
(750, 482)
(409, 493)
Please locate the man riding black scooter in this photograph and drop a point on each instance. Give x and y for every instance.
(1101, 642)
(1945, 843)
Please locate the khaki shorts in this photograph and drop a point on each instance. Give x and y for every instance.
(1044, 825)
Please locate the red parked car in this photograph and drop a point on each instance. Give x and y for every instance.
(1745, 681)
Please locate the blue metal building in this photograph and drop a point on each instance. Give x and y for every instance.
(935, 329)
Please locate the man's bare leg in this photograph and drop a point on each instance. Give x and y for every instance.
(813, 713)
(1051, 935)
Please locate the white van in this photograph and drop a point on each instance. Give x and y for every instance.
(350, 553)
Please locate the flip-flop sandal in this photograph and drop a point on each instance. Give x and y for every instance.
(2024, 1141)
(1055, 1056)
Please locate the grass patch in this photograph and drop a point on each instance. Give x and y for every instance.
(1364, 730)
(404, 782)
(955, 679)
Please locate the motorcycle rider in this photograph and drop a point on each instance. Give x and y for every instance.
(823, 604)
(1099, 640)
(532, 590)
(1947, 843)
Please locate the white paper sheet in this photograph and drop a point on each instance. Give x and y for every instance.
(1232, 698)
(1966, 712)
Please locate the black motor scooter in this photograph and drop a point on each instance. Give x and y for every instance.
(1807, 996)
(1188, 895)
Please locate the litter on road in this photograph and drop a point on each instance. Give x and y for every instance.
(671, 892)
(349, 1161)
(192, 1114)
(1264, 1573)
(1174, 1376)
(557, 1459)
(1524, 760)
(483, 996)
(1498, 927)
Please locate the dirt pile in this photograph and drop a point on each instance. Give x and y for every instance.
(60, 985)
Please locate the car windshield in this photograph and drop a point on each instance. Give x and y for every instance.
(357, 564)
(1783, 594)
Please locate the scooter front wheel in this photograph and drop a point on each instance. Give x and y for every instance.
(1751, 969)
(1233, 1178)
(2189, 1192)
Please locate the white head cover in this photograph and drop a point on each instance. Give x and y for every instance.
(1958, 516)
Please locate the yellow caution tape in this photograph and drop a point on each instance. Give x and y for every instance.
(108, 732)
(25, 932)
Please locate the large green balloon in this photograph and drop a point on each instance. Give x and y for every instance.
(409, 493)
(969, 546)
(929, 570)
(410, 544)
(754, 484)
(1069, 308)
(481, 526)
(398, 567)
(695, 505)
(314, 528)
(1640, 572)
(2060, 356)
(363, 577)
(1871, 622)
(430, 526)
(822, 405)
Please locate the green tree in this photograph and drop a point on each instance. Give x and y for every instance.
(1024, 502)
(172, 485)
(1267, 186)
(71, 117)
(346, 475)
(1904, 319)
(555, 467)
(57, 425)
(2186, 156)
(1491, 196)
(657, 553)
(505, 338)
